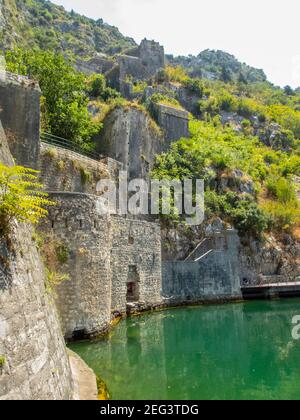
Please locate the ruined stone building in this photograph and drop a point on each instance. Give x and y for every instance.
(139, 63)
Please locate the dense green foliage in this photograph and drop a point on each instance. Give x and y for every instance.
(267, 103)
(218, 65)
(42, 24)
(97, 88)
(65, 99)
(213, 153)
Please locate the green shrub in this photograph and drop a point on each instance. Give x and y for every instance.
(282, 189)
(86, 176)
(176, 74)
(283, 215)
(97, 88)
(195, 86)
(247, 217)
(2, 361)
(62, 253)
(54, 279)
(227, 102)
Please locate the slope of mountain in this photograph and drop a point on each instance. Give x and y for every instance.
(215, 65)
(30, 23)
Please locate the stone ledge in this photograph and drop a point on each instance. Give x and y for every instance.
(175, 112)
(85, 382)
(7, 78)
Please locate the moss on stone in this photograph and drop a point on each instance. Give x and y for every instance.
(103, 393)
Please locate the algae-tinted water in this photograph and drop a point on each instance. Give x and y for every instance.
(241, 351)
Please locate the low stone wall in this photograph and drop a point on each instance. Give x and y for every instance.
(67, 171)
(215, 276)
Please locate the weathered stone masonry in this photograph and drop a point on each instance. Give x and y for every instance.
(214, 275)
(36, 365)
(66, 171)
(105, 254)
(83, 301)
(135, 259)
(20, 116)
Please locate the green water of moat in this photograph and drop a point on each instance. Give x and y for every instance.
(240, 351)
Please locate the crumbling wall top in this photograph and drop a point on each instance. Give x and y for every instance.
(18, 80)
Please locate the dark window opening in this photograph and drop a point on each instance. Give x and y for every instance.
(133, 285)
(132, 292)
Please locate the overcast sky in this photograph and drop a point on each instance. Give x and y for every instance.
(262, 33)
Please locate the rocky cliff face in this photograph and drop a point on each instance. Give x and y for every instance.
(34, 363)
(131, 137)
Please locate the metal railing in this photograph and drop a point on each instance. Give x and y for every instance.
(69, 145)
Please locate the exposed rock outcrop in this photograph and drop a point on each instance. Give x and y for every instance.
(131, 137)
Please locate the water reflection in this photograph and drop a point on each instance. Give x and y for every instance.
(242, 351)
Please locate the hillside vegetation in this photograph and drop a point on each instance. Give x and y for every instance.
(40, 23)
(245, 133)
(218, 65)
(246, 147)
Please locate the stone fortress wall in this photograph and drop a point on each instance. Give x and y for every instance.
(174, 122)
(83, 301)
(34, 363)
(135, 259)
(104, 255)
(131, 137)
(114, 263)
(20, 116)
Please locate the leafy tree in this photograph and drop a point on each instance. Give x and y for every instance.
(226, 76)
(242, 78)
(289, 91)
(20, 196)
(64, 101)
